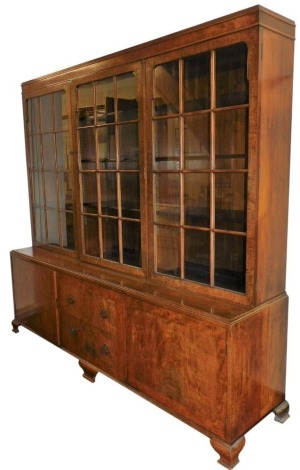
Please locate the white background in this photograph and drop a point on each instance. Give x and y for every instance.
(50, 417)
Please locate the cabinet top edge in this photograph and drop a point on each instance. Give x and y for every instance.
(244, 19)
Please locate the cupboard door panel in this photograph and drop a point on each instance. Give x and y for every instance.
(180, 362)
(101, 349)
(35, 298)
(100, 307)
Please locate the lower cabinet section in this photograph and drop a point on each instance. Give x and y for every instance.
(221, 375)
(180, 362)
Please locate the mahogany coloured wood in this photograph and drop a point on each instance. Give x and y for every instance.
(170, 321)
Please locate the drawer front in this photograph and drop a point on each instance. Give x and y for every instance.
(84, 340)
(179, 361)
(98, 306)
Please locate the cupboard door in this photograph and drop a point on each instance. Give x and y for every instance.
(101, 349)
(180, 362)
(100, 307)
(35, 298)
(92, 324)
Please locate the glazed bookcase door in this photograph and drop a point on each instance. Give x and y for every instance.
(200, 116)
(50, 170)
(110, 163)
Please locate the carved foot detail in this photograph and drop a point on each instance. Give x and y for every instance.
(229, 454)
(89, 372)
(282, 412)
(15, 324)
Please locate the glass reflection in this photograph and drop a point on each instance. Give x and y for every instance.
(167, 194)
(127, 97)
(105, 101)
(110, 239)
(106, 147)
(166, 89)
(197, 82)
(131, 234)
(109, 202)
(85, 103)
(128, 146)
(197, 142)
(197, 256)
(231, 139)
(230, 201)
(168, 250)
(46, 109)
(91, 235)
(230, 262)
(130, 195)
(232, 86)
(197, 199)
(48, 151)
(89, 193)
(166, 144)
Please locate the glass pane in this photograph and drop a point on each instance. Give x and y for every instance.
(131, 233)
(128, 146)
(197, 199)
(230, 201)
(35, 152)
(60, 111)
(109, 202)
(87, 148)
(168, 250)
(231, 75)
(33, 115)
(89, 193)
(91, 235)
(167, 195)
(127, 97)
(48, 151)
(67, 224)
(46, 106)
(40, 231)
(85, 105)
(166, 89)
(130, 195)
(110, 239)
(38, 196)
(65, 190)
(197, 82)
(105, 101)
(197, 256)
(106, 147)
(166, 144)
(63, 156)
(50, 189)
(197, 142)
(231, 139)
(53, 227)
(230, 262)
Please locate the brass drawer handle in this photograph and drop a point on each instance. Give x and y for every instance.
(73, 332)
(105, 350)
(70, 300)
(104, 313)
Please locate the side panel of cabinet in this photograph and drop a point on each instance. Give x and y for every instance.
(35, 298)
(92, 324)
(257, 356)
(179, 362)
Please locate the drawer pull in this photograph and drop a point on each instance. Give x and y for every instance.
(73, 332)
(104, 313)
(70, 300)
(105, 350)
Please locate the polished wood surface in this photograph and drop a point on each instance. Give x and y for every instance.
(159, 260)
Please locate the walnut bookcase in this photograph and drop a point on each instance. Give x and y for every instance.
(158, 181)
